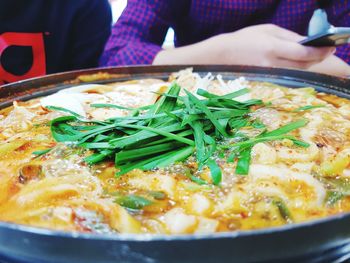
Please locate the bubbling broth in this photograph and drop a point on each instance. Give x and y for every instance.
(189, 155)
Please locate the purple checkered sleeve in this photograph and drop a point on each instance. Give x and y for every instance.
(341, 13)
(138, 35)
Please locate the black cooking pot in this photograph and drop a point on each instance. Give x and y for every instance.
(324, 240)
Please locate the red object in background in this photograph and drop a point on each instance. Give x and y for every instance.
(33, 40)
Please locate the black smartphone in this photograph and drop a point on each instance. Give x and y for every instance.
(335, 36)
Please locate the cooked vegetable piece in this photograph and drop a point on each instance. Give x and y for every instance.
(55, 108)
(338, 188)
(336, 165)
(308, 107)
(41, 152)
(215, 172)
(158, 195)
(244, 161)
(283, 210)
(132, 201)
(333, 197)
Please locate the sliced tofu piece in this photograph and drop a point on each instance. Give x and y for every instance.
(64, 100)
(206, 225)
(178, 222)
(136, 95)
(155, 182)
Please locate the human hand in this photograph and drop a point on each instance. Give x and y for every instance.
(261, 45)
(267, 45)
(332, 65)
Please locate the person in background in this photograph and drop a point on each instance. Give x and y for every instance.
(262, 33)
(38, 37)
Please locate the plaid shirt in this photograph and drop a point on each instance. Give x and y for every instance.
(139, 33)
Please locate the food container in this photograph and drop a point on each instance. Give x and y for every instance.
(323, 240)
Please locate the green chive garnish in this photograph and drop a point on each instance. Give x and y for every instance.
(171, 130)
